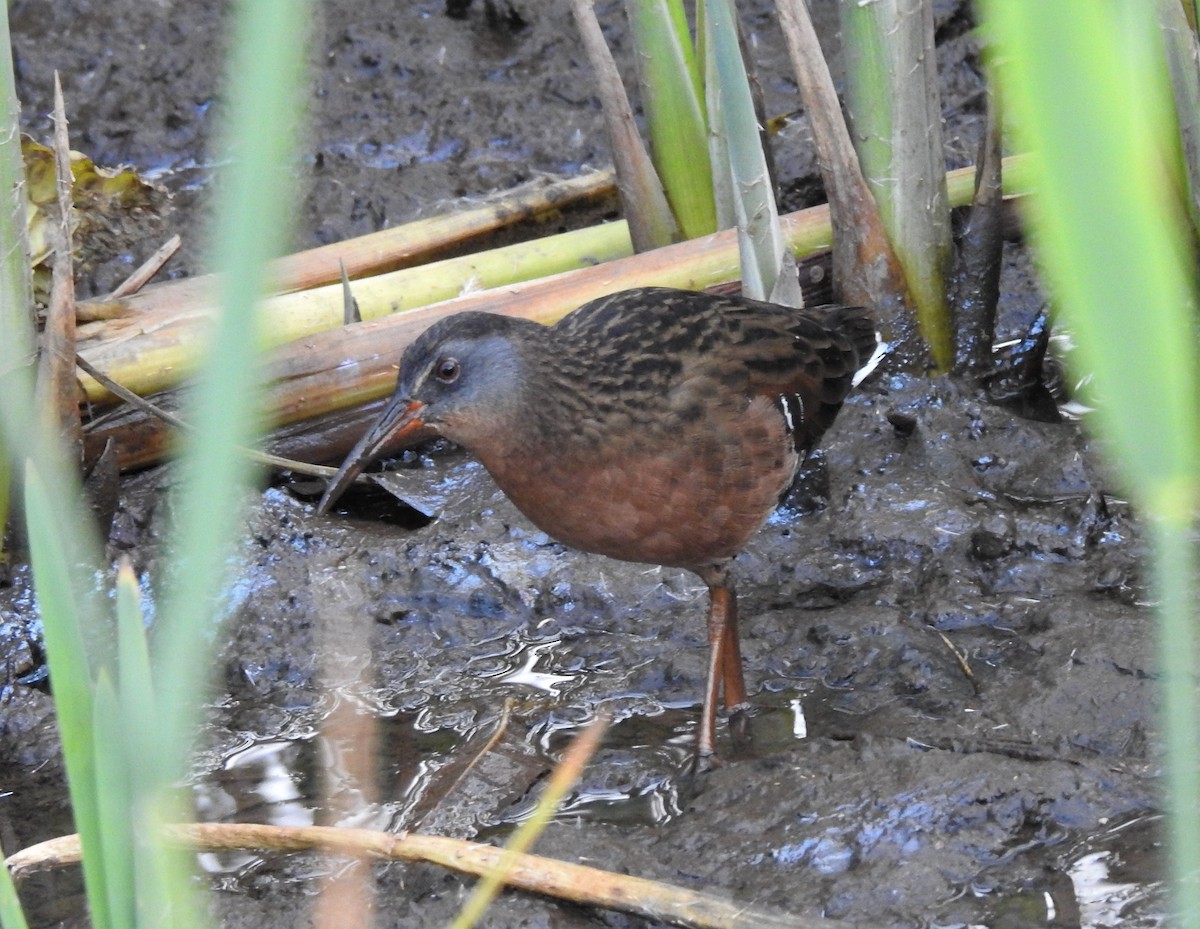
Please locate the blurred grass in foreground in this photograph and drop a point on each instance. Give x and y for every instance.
(127, 708)
(1090, 101)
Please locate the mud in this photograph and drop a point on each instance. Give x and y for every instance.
(946, 634)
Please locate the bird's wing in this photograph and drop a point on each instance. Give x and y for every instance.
(695, 346)
(804, 360)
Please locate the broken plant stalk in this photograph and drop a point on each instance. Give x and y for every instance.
(333, 371)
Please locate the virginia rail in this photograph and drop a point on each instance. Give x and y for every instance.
(652, 425)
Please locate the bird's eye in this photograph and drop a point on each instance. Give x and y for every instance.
(447, 370)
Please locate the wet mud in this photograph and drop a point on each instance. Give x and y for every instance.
(948, 646)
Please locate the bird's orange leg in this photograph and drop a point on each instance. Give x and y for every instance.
(718, 603)
(731, 650)
(724, 662)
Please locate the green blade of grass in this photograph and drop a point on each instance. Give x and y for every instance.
(735, 123)
(895, 111)
(113, 788)
(61, 609)
(868, 100)
(252, 228)
(1088, 91)
(672, 97)
(136, 690)
(12, 916)
(115, 805)
(1174, 566)
(159, 867)
(16, 288)
(1093, 115)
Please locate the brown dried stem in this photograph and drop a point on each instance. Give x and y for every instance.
(533, 873)
(57, 388)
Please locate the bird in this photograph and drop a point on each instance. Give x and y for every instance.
(651, 425)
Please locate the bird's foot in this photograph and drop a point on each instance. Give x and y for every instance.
(691, 778)
(704, 763)
(739, 728)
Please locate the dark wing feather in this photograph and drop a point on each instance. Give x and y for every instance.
(639, 343)
(803, 359)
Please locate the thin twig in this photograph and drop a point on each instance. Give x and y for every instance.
(141, 403)
(961, 659)
(150, 267)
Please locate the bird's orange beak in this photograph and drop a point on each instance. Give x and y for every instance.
(400, 418)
